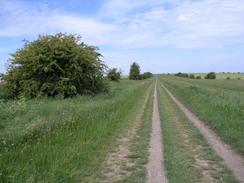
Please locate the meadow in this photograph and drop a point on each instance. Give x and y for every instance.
(57, 140)
(220, 103)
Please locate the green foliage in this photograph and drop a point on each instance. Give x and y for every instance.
(134, 71)
(146, 75)
(55, 65)
(228, 78)
(184, 75)
(114, 74)
(198, 77)
(210, 75)
(192, 76)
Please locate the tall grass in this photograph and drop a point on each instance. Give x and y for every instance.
(52, 141)
(222, 109)
(183, 145)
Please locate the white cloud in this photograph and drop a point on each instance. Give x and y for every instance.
(135, 24)
(20, 19)
(185, 24)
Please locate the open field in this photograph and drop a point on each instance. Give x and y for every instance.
(223, 75)
(105, 138)
(219, 103)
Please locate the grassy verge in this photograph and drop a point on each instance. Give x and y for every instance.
(140, 145)
(221, 109)
(64, 140)
(187, 157)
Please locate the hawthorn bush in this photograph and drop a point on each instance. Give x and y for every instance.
(54, 65)
(146, 75)
(114, 74)
(184, 75)
(210, 75)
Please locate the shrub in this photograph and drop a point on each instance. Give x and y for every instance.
(134, 71)
(210, 75)
(228, 78)
(55, 65)
(192, 76)
(114, 74)
(146, 75)
(184, 75)
(198, 77)
(239, 78)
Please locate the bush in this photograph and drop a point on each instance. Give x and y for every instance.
(228, 78)
(210, 75)
(146, 75)
(198, 77)
(114, 74)
(134, 71)
(184, 75)
(55, 65)
(192, 76)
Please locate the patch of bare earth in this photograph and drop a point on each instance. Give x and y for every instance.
(117, 163)
(155, 168)
(231, 159)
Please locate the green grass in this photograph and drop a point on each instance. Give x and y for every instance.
(55, 140)
(140, 145)
(223, 75)
(124, 77)
(219, 103)
(183, 143)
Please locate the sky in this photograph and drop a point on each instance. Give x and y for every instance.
(163, 36)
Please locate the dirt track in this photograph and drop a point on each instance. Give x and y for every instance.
(155, 168)
(231, 159)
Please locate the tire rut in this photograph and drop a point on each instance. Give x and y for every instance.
(118, 161)
(232, 160)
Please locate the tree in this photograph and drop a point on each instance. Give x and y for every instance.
(146, 75)
(114, 74)
(210, 75)
(134, 71)
(54, 65)
(198, 77)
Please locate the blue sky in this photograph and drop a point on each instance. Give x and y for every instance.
(161, 35)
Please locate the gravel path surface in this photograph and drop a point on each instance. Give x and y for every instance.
(155, 168)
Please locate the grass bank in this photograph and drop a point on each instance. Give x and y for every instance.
(52, 141)
(139, 146)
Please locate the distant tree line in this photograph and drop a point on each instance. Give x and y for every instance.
(210, 75)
